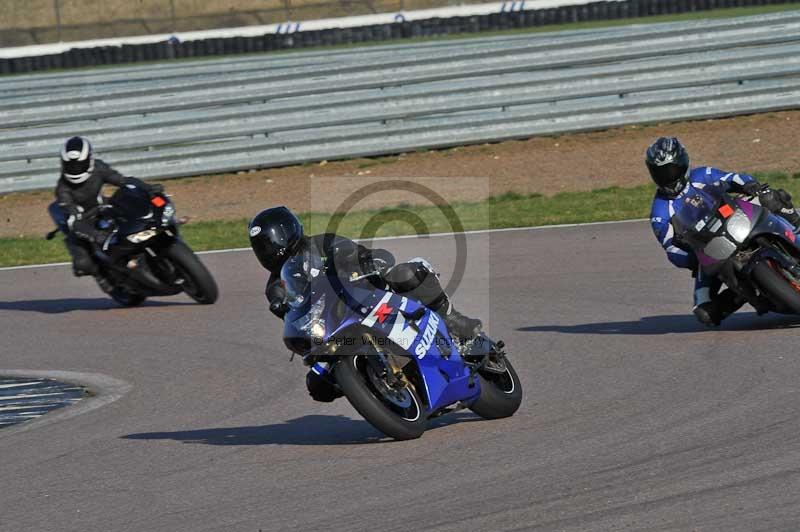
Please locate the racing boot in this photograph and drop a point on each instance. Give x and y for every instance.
(728, 302)
(707, 314)
(82, 263)
(711, 313)
(457, 323)
(104, 284)
(321, 389)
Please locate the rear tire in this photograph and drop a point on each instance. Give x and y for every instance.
(350, 375)
(198, 284)
(777, 287)
(501, 394)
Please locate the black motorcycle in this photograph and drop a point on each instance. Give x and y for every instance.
(142, 254)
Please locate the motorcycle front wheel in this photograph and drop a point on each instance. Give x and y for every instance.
(197, 280)
(780, 286)
(397, 412)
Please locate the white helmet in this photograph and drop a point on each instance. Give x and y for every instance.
(77, 162)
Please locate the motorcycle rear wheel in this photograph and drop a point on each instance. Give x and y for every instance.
(386, 414)
(778, 286)
(197, 280)
(501, 394)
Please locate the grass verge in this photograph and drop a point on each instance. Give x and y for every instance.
(507, 210)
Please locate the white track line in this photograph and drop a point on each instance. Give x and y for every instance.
(17, 385)
(378, 239)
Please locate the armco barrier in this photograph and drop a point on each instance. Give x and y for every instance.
(262, 111)
(172, 49)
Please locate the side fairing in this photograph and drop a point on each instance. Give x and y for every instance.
(425, 340)
(776, 225)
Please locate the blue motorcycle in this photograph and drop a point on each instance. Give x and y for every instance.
(391, 356)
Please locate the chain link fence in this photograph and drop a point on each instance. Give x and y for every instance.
(26, 22)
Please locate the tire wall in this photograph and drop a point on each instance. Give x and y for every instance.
(126, 54)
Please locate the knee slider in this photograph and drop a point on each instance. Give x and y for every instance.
(770, 200)
(404, 277)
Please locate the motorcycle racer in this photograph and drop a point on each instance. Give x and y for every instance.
(77, 192)
(276, 234)
(668, 164)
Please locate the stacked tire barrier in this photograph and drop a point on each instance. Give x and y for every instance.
(112, 55)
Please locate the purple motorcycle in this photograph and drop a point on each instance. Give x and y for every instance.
(753, 251)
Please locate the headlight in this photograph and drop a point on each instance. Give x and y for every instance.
(141, 236)
(169, 212)
(312, 322)
(317, 329)
(719, 248)
(739, 226)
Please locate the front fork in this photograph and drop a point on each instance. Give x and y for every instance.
(382, 364)
(385, 366)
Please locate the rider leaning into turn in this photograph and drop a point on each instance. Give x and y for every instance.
(276, 234)
(668, 163)
(78, 191)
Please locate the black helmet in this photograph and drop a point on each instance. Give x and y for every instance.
(76, 160)
(668, 163)
(274, 235)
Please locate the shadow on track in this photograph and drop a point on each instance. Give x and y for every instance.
(60, 306)
(676, 323)
(306, 430)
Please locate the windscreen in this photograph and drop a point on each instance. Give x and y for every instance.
(695, 206)
(298, 274)
(131, 202)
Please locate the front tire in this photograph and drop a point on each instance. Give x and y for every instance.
(401, 424)
(778, 286)
(198, 282)
(501, 394)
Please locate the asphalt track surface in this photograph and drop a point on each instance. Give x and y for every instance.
(634, 418)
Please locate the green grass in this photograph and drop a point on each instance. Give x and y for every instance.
(506, 210)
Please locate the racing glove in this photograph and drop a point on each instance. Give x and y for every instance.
(75, 213)
(276, 296)
(752, 188)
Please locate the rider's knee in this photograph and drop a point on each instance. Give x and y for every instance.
(82, 261)
(320, 389)
(424, 268)
(776, 200)
(409, 276)
(58, 214)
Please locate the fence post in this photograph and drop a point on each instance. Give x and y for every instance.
(57, 9)
(172, 14)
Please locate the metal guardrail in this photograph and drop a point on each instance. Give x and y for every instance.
(162, 121)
